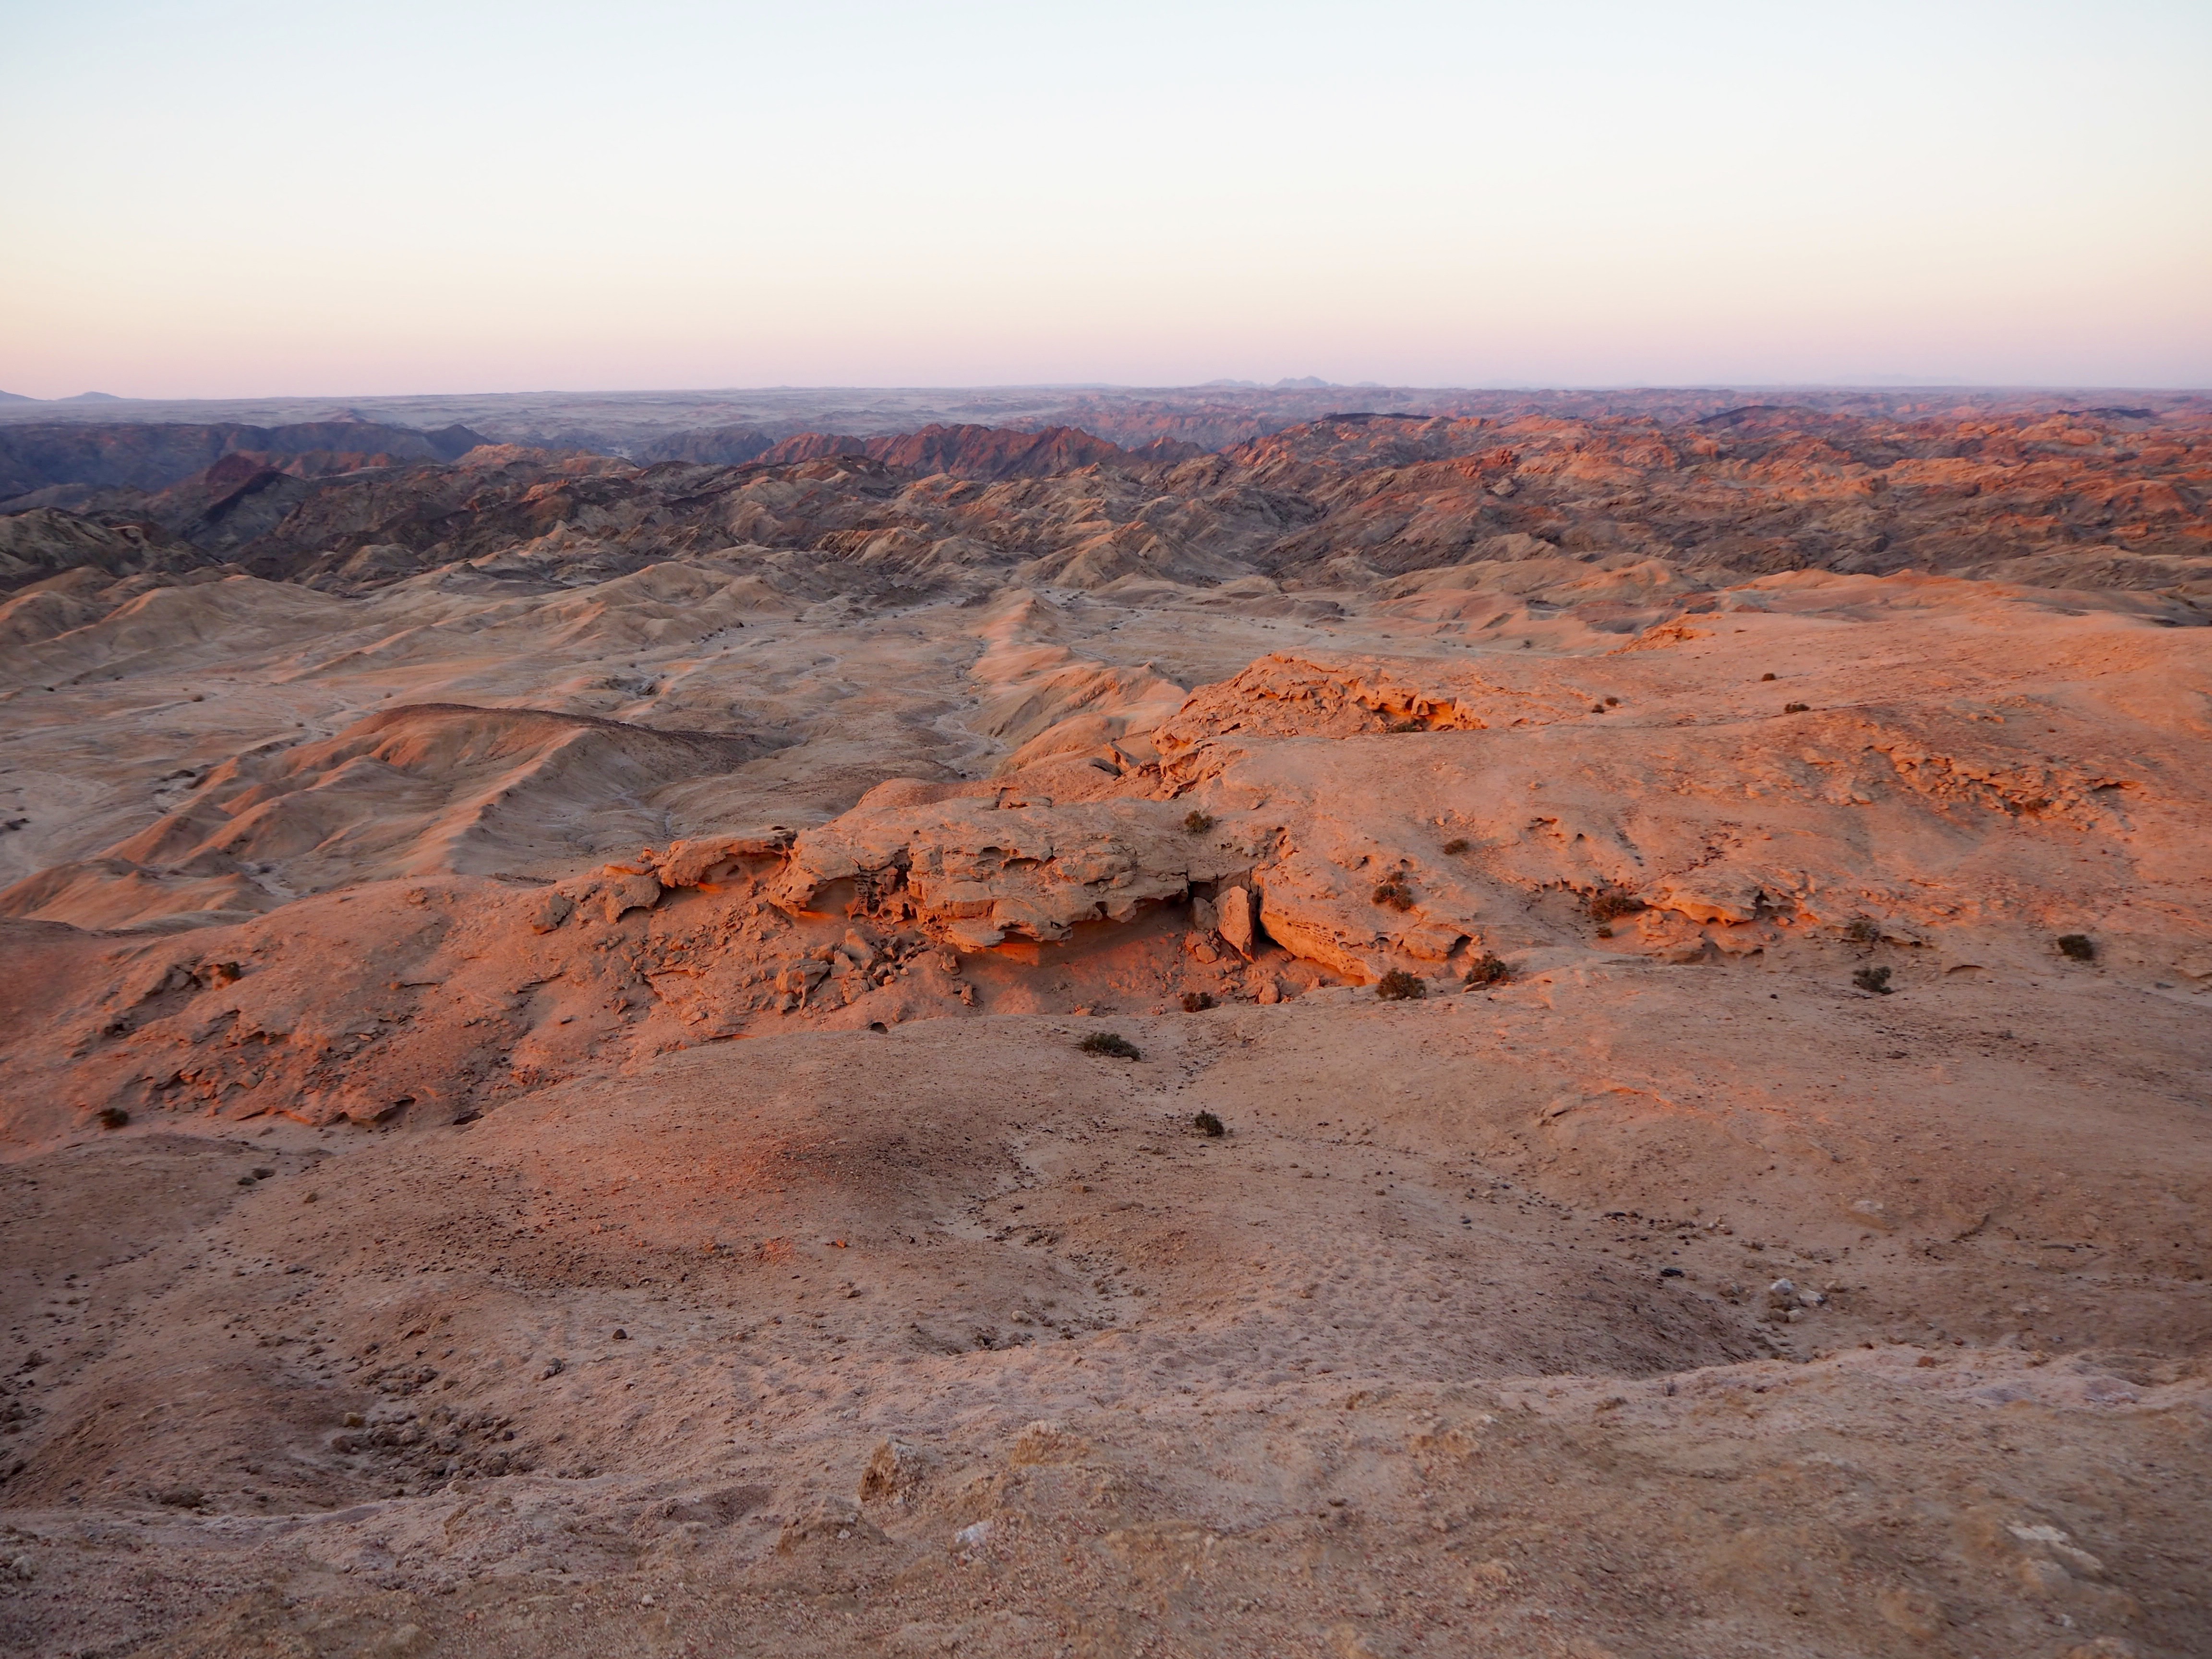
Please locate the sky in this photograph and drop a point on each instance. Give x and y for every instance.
(239, 198)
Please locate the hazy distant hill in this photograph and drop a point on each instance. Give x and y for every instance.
(154, 457)
(966, 452)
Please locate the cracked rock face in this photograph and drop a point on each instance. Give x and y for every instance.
(977, 873)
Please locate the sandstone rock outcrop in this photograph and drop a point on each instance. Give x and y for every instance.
(974, 872)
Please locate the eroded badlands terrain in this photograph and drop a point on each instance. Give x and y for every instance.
(546, 1106)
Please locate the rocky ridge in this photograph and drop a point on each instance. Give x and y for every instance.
(2089, 499)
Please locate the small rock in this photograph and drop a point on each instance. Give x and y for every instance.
(894, 1471)
(1235, 919)
(549, 911)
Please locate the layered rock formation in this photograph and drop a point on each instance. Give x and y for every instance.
(988, 453)
(2095, 498)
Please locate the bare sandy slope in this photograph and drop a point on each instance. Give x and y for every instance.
(603, 1161)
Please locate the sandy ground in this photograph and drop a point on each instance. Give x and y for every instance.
(747, 1259)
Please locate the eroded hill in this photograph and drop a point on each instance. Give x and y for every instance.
(549, 1105)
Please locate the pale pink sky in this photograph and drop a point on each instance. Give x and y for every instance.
(230, 198)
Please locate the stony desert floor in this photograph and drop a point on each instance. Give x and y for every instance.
(551, 1116)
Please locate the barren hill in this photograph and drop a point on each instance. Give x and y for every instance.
(1514, 1031)
(154, 457)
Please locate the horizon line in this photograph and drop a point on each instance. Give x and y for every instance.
(16, 399)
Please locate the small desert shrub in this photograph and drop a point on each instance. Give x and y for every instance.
(1863, 932)
(1597, 708)
(1455, 846)
(1109, 1042)
(1197, 823)
(1393, 891)
(1489, 971)
(1876, 980)
(2080, 947)
(1399, 986)
(1608, 902)
(1766, 676)
(1797, 707)
(113, 1117)
(1206, 1124)
(1613, 702)
(1197, 1002)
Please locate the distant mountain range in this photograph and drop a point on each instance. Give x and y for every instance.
(154, 456)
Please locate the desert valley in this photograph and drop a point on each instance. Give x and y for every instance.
(1303, 1021)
